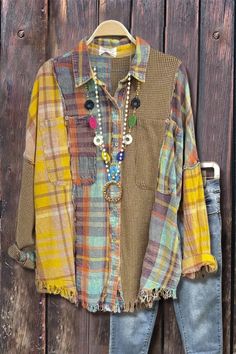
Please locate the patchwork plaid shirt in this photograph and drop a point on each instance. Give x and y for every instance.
(77, 236)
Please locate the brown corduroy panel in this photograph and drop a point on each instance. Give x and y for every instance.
(25, 230)
(140, 166)
(25, 234)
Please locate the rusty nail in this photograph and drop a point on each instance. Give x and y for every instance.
(216, 35)
(20, 33)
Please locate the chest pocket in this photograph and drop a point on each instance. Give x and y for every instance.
(55, 149)
(149, 138)
(170, 161)
(83, 152)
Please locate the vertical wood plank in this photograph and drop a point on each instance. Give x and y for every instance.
(233, 321)
(68, 327)
(148, 22)
(69, 21)
(182, 37)
(233, 252)
(115, 10)
(181, 40)
(23, 36)
(215, 119)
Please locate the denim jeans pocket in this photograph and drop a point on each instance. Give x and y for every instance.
(83, 151)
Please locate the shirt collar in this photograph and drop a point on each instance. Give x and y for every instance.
(82, 68)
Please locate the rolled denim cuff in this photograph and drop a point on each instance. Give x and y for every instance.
(193, 266)
(26, 258)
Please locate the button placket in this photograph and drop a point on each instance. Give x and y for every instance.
(114, 217)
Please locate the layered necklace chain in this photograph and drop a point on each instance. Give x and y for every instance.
(113, 168)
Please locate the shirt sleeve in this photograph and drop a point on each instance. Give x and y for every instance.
(23, 249)
(192, 213)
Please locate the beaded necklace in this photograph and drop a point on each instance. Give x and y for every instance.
(112, 168)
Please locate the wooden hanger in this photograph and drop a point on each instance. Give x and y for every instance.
(111, 28)
(214, 165)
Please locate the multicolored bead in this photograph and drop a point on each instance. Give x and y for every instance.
(117, 178)
(135, 103)
(113, 169)
(106, 156)
(114, 178)
(132, 120)
(92, 122)
(89, 104)
(120, 156)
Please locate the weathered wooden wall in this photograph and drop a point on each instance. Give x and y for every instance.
(199, 32)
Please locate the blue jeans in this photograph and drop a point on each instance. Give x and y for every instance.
(198, 307)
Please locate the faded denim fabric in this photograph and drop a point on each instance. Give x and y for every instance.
(198, 307)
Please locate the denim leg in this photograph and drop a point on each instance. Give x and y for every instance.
(130, 333)
(198, 306)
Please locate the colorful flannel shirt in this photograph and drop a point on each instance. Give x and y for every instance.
(80, 257)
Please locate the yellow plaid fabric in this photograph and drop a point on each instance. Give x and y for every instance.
(196, 250)
(46, 130)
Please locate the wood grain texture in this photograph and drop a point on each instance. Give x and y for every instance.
(115, 10)
(201, 34)
(148, 22)
(69, 21)
(23, 36)
(181, 40)
(215, 120)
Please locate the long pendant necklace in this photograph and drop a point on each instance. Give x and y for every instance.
(113, 168)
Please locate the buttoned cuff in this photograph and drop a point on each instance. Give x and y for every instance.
(193, 266)
(26, 258)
